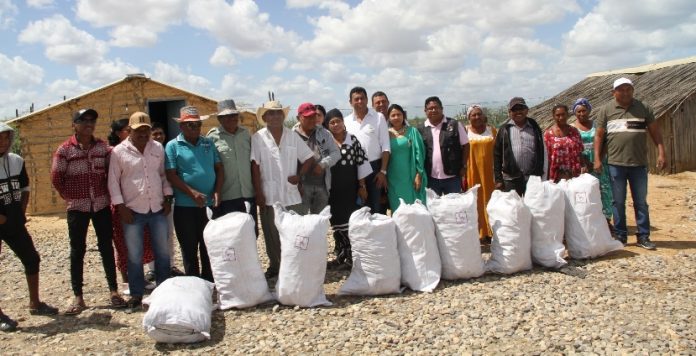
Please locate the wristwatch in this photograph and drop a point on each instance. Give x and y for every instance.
(384, 171)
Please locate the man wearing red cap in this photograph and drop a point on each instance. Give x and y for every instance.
(624, 121)
(317, 183)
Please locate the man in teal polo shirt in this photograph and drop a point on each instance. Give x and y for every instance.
(195, 172)
(233, 142)
(622, 125)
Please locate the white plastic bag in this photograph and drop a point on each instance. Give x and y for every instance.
(376, 267)
(546, 202)
(303, 255)
(180, 310)
(417, 244)
(456, 221)
(586, 231)
(511, 220)
(234, 259)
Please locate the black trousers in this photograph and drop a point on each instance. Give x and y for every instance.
(237, 205)
(78, 222)
(21, 244)
(189, 223)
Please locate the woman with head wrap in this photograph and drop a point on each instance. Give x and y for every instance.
(480, 167)
(584, 124)
(347, 185)
(564, 147)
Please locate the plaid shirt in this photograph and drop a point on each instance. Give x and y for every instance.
(81, 176)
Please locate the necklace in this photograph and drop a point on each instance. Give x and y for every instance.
(399, 132)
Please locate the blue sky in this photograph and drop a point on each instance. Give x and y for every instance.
(316, 50)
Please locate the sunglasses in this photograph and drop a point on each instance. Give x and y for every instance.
(193, 125)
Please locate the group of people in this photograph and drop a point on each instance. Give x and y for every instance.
(138, 190)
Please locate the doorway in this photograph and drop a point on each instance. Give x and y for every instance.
(163, 111)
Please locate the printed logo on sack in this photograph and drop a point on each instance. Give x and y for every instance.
(581, 198)
(460, 217)
(301, 242)
(229, 255)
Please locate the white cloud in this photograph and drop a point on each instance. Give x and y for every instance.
(16, 99)
(175, 75)
(105, 71)
(63, 42)
(280, 65)
(39, 4)
(8, 11)
(136, 23)
(240, 26)
(223, 57)
(67, 88)
(17, 72)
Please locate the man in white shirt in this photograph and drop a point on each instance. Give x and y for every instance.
(275, 151)
(370, 127)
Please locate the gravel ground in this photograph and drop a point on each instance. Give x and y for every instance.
(632, 301)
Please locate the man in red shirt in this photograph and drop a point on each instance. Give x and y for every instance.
(79, 174)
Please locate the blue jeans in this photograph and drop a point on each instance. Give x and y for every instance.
(637, 178)
(159, 234)
(374, 193)
(445, 186)
(314, 199)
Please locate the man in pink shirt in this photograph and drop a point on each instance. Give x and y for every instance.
(143, 197)
(446, 149)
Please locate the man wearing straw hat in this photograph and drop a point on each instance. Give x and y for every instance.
(275, 151)
(195, 171)
(233, 142)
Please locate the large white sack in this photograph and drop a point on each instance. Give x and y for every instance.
(376, 267)
(180, 310)
(303, 251)
(417, 244)
(586, 231)
(456, 222)
(546, 202)
(231, 244)
(510, 219)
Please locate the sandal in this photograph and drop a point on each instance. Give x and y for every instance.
(75, 309)
(117, 302)
(43, 309)
(7, 324)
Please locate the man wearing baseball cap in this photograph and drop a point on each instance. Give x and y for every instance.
(622, 124)
(519, 149)
(317, 183)
(142, 195)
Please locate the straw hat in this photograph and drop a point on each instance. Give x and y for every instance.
(270, 106)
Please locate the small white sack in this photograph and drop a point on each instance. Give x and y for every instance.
(510, 219)
(586, 231)
(376, 267)
(180, 311)
(456, 222)
(546, 202)
(417, 244)
(303, 255)
(231, 244)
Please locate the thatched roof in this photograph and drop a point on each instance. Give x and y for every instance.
(663, 86)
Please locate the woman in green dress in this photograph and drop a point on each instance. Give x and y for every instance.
(406, 178)
(582, 110)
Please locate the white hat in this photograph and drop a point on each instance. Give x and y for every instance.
(622, 81)
(268, 106)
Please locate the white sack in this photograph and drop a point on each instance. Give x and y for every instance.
(510, 220)
(417, 244)
(376, 267)
(231, 244)
(456, 222)
(303, 251)
(546, 202)
(586, 231)
(180, 310)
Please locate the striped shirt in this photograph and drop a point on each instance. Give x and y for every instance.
(80, 175)
(522, 141)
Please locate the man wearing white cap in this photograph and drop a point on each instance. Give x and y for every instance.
(140, 191)
(275, 151)
(621, 127)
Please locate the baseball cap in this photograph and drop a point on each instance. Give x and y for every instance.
(306, 109)
(516, 101)
(621, 81)
(78, 115)
(139, 119)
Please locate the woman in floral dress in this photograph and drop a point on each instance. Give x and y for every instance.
(564, 147)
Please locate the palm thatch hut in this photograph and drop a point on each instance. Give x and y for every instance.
(668, 87)
(41, 132)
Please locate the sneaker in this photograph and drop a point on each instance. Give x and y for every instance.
(645, 243)
(621, 239)
(7, 324)
(150, 276)
(176, 272)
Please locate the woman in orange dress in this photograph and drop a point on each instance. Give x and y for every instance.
(480, 168)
